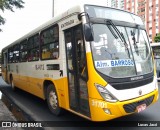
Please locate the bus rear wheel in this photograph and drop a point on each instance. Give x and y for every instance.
(12, 84)
(52, 100)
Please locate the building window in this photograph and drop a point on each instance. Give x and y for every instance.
(157, 13)
(143, 10)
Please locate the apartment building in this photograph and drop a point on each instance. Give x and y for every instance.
(148, 10)
(116, 4)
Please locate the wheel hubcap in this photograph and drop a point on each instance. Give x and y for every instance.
(53, 100)
(12, 84)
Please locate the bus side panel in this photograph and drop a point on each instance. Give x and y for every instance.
(93, 78)
(4, 74)
(61, 86)
(23, 82)
(15, 79)
(99, 106)
(13, 73)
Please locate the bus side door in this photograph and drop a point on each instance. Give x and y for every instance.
(77, 70)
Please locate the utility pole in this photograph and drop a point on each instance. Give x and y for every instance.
(53, 8)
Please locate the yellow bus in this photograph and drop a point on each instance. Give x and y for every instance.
(91, 60)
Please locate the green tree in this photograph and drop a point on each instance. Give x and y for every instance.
(9, 5)
(157, 38)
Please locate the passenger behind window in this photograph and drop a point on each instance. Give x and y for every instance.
(112, 51)
(105, 54)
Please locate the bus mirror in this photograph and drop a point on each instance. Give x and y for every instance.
(88, 32)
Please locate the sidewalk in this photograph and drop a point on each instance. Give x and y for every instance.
(5, 114)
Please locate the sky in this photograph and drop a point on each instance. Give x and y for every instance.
(34, 13)
(22, 21)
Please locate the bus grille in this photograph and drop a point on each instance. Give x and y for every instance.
(129, 108)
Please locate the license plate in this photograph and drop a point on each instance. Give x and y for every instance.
(141, 107)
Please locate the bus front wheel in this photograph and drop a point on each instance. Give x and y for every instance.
(52, 100)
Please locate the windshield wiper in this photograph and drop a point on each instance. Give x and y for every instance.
(135, 42)
(121, 36)
(126, 45)
(116, 29)
(112, 32)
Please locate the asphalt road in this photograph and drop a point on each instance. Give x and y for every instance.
(36, 109)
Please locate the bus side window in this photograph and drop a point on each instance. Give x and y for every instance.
(50, 43)
(23, 55)
(16, 53)
(33, 48)
(10, 57)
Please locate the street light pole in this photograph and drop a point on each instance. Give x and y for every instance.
(53, 8)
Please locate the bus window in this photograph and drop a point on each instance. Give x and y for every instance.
(23, 51)
(16, 53)
(33, 48)
(50, 43)
(10, 57)
(69, 51)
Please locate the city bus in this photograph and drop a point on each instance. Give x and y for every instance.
(156, 53)
(91, 60)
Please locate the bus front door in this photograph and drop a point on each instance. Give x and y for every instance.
(77, 70)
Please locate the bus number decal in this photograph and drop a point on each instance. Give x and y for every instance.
(39, 67)
(46, 75)
(67, 23)
(99, 104)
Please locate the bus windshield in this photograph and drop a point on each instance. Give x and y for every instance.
(121, 57)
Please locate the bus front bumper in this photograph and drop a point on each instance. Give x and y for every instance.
(103, 111)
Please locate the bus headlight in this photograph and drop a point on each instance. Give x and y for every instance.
(105, 94)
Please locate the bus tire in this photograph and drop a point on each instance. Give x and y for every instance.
(52, 100)
(12, 84)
